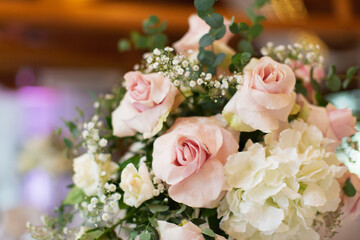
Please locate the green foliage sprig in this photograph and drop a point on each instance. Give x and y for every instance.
(152, 37)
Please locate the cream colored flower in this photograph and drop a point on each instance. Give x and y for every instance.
(90, 173)
(278, 189)
(137, 185)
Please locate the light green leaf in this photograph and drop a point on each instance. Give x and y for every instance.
(254, 31)
(183, 207)
(76, 195)
(124, 45)
(153, 223)
(145, 236)
(91, 235)
(349, 74)
(260, 3)
(333, 83)
(158, 208)
(208, 232)
(251, 15)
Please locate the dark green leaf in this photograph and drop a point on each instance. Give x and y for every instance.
(76, 195)
(314, 84)
(133, 234)
(158, 40)
(349, 74)
(320, 99)
(243, 26)
(259, 18)
(332, 70)
(134, 160)
(260, 3)
(218, 33)
(234, 28)
(158, 208)
(219, 59)
(245, 57)
(198, 221)
(245, 46)
(206, 40)
(157, 29)
(72, 128)
(206, 57)
(203, 5)
(124, 45)
(108, 122)
(207, 212)
(140, 41)
(208, 232)
(232, 68)
(349, 188)
(203, 14)
(68, 143)
(150, 22)
(214, 20)
(255, 31)
(145, 236)
(300, 88)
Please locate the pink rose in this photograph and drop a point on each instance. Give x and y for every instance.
(190, 158)
(266, 98)
(197, 29)
(334, 123)
(189, 231)
(145, 106)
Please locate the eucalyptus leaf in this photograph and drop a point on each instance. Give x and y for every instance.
(218, 33)
(214, 20)
(153, 223)
(206, 40)
(243, 26)
(203, 5)
(68, 143)
(219, 59)
(245, 46)
(333, 83)
(260, 3)
(206, 57)
(145, 236)
(234, 28)
(251, 15)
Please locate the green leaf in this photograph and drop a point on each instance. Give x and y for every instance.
(91, 235)
(349, 74)
(251, 15)
(243, 26)
(245, 57)
(72, 128)
(314, 84)
(145, 236)
(206, 40)
(260, 3)
(141, 42)
(219, 59)
(254, 31)
(183, 207)
(68, 143)
(208, 232)
(259, 18)
(158, 208)
(58, 131)
(155, 30)
(321, 101)
(203, 5)
(153, 223)
(150, 22)
(202, 14)
(76, 195)
(300, 88)
(245, 46)
(349, 188)
(333, 83)
(214, 20)
(109, 122)
(134, 160)
(218, 33)
(124, 45)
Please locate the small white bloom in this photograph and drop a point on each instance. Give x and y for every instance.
(102, 198)
(169, 49)
(200, 81)
(117, 196)
(136, 184)
(85, 134)
(156, 51)
(269, 44)
(177, 83)
(175, 62)
(95, 118)
(149, 60)
(156, 192)
(103, 173)
(91, 207)
(155, 65)
(287, 61)
(180, 71)
(192, 83)
(187, 74)
(185, 63)
(208, 76)
(264, 51)
(92, 148)
(279, 48)
(136, 67)
(107, 208)
(96, 105)
(112, 187)
(217, 84)
(105, 217)
(94, 200)
(90, 125)
(196, 68)
(103, 142)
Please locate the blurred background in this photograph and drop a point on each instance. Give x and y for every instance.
(54, 52)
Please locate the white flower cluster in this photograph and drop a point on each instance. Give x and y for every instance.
(302, 52)
(102, 211)
(349, 153)
(184, 71)
(92, 141)
(277, 190)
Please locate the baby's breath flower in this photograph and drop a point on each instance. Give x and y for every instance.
(195, 68)
(192, 83)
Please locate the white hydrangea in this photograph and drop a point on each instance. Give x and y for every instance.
(278, 189)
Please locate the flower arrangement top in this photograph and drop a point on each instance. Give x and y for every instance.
(202, 141)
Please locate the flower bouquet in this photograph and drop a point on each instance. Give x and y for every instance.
(203, 142)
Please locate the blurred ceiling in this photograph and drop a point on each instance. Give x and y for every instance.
(84, 33)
